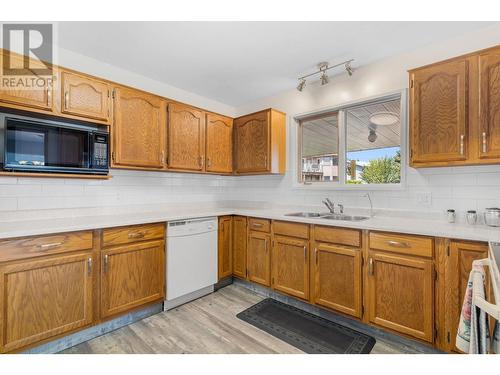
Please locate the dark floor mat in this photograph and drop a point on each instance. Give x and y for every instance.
(307, 332)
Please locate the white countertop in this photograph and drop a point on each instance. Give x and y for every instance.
(67, 220)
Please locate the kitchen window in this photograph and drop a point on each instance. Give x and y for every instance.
(359, 145)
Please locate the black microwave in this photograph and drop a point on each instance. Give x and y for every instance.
(33, 145)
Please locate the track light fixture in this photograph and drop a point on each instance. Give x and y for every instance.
(322, 69)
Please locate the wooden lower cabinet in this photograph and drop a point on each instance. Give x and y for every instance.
(44, 298)
(131, 276)
(400, 294)
(239, 246)
(290, 262)
(225, 261)
(460, 258)
(337, 278)
(259, 258)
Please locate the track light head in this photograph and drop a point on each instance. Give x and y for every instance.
(348, 68)
(301, 85)
(372, 137)
(324, 78)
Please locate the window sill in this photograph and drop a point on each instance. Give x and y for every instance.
(337, 186)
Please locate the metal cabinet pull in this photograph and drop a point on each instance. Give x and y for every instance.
(66, 100)
(265, 244)
(316, 255)
(398, 244)
(136, 234)
(305, 253)
(484, 142)
(49, 96)
(461, 144)
(106, 263)
(257, 225)
(89, 267)
(47, 246)
(162, 157)
(370, 266)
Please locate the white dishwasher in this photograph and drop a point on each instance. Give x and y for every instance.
(191, 260)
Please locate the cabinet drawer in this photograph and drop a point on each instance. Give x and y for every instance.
(28, 247)
(402, 243)
(340, 236)
(286, 228)
(124, 235)
(261, 225)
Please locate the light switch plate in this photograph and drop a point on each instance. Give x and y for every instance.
(424, 199)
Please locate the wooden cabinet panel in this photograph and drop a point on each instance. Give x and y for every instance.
(84, 96)
(461, 256)
(252, 143)
(219, 144)
(38, 98)
(261, 225)
(225, 257)
(259, 258)
(401, 294)
(240, 246)
(134, 233)
(131, 276)
(339, 236)
(290, 229)
(139, 129)
(337, 278)
(405, 244)
(290, 262)
(36, 246)
(438, 118)
(489, 104)
(44, 298)
(186, 138)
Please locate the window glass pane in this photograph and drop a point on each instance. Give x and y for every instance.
(320, 148)
(373, 143)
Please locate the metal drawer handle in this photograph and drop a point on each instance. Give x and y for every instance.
(316, 255)
(89, 270)
(106, 263)
(398, 244)
(136, 234)
(305, 253)
(47, 246)
(370, 266)
(257, 225)
(66, 99)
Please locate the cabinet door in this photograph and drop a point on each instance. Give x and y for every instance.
(259, 258)
(186, 138)
(240, 246)
(438, 119)
(139, 129)
(40, 97)
(462, 254)
(44, 298)
(400, 294)
(225, 261)
(219, 142)
(489, 104)
(132, 275)
(252, 143)
(337, 278)
(290, 260)
(84, 96)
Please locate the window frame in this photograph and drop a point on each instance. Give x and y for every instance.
(342, 141)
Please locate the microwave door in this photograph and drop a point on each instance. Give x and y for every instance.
(25, 147)
(68, 149)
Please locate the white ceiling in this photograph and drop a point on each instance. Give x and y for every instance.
(238, 62)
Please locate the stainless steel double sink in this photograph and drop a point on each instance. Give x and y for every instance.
(328, 216)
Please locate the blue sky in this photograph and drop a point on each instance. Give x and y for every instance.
(372, 154)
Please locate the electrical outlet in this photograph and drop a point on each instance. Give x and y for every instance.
(424, 199)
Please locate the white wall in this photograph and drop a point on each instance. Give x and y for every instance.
(461, 188)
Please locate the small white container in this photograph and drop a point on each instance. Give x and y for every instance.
(450, 216)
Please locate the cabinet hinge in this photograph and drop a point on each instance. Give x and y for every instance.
(448, 337)
(448, 250)
(113, 156)
(113, 95)
(411, 83)
(108, 94)
(272, 280)
(411, 153)
(435, 274)
(436, 333)
(362, 311)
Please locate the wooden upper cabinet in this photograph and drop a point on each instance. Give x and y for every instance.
(439, 113)
(290, 262)
(219, 144)
(132, 275)
(41, 299)
(489, 104)
(400, 294)
(138, 134)
(260, 143)
(225, 255)
(85, 96)
(337, 278)
(461, 256)
(240, 246)
(186, 138)
(40, 98)
(259, 258)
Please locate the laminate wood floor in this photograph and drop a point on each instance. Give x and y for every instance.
(207, 325)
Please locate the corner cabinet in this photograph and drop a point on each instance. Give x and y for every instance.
(455, 111)
(225, 255)
(260, 143)
(239, 247)
(138, 133)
